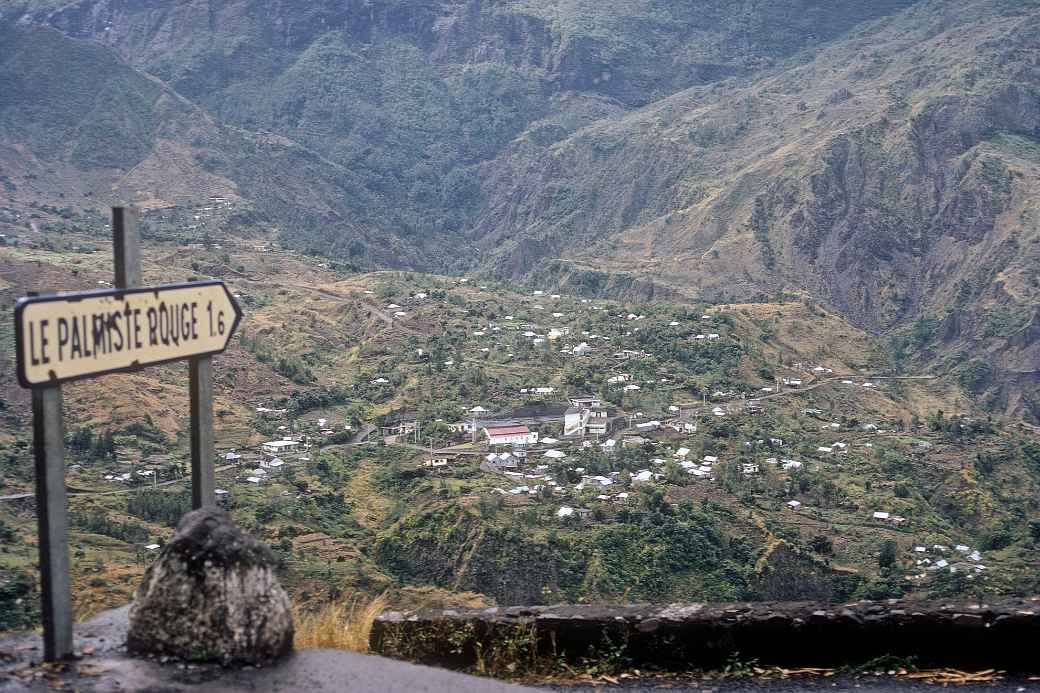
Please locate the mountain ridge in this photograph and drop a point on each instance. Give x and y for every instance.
(880, 160)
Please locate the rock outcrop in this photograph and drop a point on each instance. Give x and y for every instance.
(211, 595)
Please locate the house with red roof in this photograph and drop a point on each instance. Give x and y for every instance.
(510, 435)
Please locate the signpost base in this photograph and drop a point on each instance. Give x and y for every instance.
(53, 520)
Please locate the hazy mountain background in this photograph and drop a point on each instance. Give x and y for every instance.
(882, 157)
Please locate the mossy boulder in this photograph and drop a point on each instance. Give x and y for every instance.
(212, 595)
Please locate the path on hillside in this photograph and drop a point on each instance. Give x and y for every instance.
(371, 305)
(116, 492)
(819, 383)
(832, 379)
(455, 449)
(363, 433)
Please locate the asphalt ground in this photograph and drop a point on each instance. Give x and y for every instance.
(102, 665)
(815, 684)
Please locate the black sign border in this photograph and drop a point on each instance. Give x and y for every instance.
(118, 294)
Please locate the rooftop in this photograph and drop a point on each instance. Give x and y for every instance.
(507, 430)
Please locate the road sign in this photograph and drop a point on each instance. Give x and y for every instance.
(67, 336)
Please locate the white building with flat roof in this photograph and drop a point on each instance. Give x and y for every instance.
(277, 447)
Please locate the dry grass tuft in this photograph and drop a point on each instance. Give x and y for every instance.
(337, 626)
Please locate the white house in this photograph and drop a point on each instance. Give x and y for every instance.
(642, 477)
(574, 420)
(597, 423)
(680, 426)
(510, 435)
(461, 427)
(503, 459)
(588, 401)
(280, 447)
(274, 464)
(582, 349)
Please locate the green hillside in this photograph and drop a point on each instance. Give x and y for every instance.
(786, 510)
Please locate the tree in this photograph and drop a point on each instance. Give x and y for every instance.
(652, 500)
(888, 556)
(822, 545)
(264, 514)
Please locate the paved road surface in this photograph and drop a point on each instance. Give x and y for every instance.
(312, 671)
(816, 684)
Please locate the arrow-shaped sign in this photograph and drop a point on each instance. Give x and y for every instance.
(77, 335)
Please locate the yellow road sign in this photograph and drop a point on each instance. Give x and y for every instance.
(77, 335)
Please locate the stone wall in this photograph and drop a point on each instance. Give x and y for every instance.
(683, 637)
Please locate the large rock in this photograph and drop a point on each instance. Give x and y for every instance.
(211, 595)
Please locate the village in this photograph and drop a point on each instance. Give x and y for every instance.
(393, 398)
(584, 458)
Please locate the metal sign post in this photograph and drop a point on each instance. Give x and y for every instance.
(70, 336)
(53, 522)
(200, 385)
(126, 247)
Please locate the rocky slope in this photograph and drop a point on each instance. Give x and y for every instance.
(893, 176)
(404, 99)
(881, 157)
